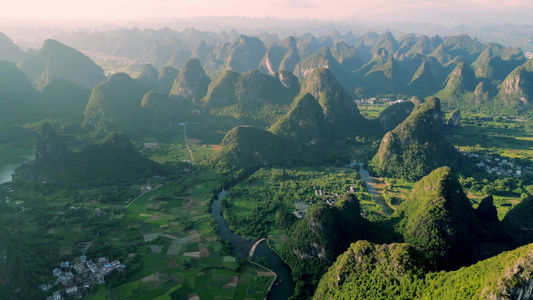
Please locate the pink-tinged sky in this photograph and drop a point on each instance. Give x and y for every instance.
(395, 10)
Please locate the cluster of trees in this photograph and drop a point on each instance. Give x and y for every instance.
(508, 186)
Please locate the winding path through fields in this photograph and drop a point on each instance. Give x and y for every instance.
(141, 195)
(187, 145)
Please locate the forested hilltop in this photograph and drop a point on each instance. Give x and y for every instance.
(375, 166)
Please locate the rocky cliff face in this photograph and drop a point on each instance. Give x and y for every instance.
(317, 60)
(517, 88)
(455, 118)
(516, 282)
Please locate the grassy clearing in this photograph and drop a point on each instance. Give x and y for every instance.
(371, 111)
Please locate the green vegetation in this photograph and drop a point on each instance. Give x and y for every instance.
(365, 271)
(439, 220)
(113, 160)
(416, 147)
(192, 82)
(282, 148)
(251, 208)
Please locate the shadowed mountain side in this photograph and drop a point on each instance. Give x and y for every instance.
(395, 114)
(63, 99)
(114, 104)
(113, 160)
(57, 60)
(165, 81)
(303, 129)
(9, 51)
(518, 222)
(246, 147)
(18, 99)
(148, 77)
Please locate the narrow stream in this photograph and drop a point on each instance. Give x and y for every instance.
(283, 288)
(378, 198)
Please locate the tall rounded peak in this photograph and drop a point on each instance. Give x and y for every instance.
(192, 63)
(289, 42)
(51, 43)
(119, 78)
(4, 39)
(149, 69)
(153, 99)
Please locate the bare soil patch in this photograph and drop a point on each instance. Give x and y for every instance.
(172, 263)
(204, 252)
(232, 283)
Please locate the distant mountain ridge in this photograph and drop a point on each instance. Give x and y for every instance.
(58, 60)
(366, 65)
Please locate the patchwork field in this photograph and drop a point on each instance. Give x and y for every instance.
(184, 258)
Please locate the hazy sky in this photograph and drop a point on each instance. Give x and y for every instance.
(451, 11)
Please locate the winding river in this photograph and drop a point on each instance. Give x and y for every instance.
(15, 160)
(283, 288)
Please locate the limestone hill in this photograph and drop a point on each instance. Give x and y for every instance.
(246, 147)
(114, 104)
(368, 271)
(113, 160)
(192, 82)
(417, 146)
(17, 96)
(57, 60)
(439, 220)
(340, 111)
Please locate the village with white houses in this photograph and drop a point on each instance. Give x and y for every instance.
(326, 197)
(77, 279)
(496, 166)
(375, 101)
